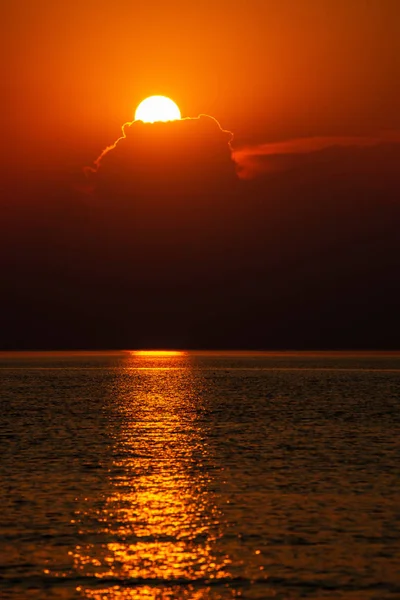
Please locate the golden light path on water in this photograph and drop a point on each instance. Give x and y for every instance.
(160, 521)
(158, 353)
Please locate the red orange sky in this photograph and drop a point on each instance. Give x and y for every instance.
(164, 246)
(266, 70)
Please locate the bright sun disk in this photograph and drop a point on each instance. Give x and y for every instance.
(157, 108)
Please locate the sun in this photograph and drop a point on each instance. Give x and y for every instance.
(157, 108)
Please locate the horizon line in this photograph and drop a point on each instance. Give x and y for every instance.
(177, 352)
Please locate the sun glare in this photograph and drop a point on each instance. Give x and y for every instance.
(158, 353)
(157, 108)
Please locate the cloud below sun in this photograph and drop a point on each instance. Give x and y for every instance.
(195, 151)
(161, 147)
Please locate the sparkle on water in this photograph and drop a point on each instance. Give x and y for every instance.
(158, 353)
(148, 476)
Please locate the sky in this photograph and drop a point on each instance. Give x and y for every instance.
(270, 223)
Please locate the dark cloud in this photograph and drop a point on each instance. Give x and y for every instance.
(258, 159)
(172, 248)
(169, 191)
(149, 156)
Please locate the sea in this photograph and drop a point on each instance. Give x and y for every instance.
(194, 475)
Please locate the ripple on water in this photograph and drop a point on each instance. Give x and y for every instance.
(200, 477)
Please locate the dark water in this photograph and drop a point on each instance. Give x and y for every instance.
(127, 477)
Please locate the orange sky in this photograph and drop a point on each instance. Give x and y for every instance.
(164, 246)
(266, 70)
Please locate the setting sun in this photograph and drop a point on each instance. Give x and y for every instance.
(157, 108)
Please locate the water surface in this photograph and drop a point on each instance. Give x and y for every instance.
(200, 476)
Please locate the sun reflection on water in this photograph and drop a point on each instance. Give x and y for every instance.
(158, 353)
(159, 525)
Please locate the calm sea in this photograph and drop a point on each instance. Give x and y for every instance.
(200, 476)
